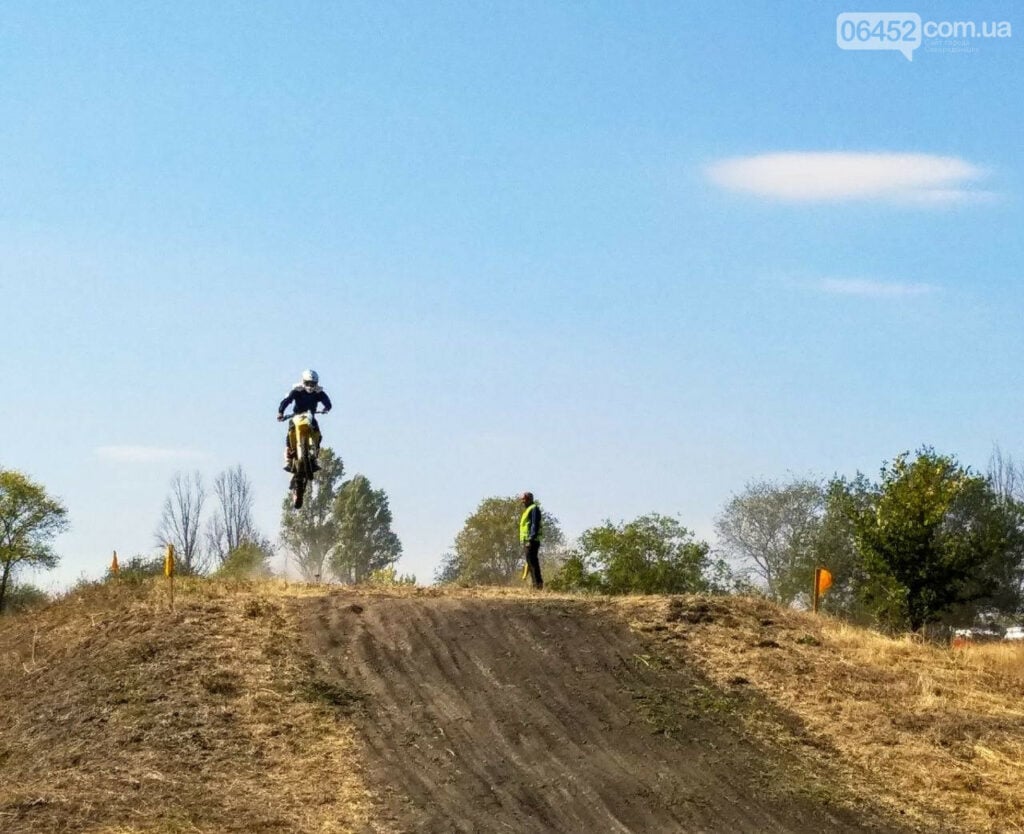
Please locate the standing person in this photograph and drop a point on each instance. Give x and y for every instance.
(307, 395)
(529, 537)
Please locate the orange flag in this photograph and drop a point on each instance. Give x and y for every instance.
(114, 567)
(824, 580)
(169, 561)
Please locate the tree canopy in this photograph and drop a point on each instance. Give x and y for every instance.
(933, 538)
(247, 561)
(773, 529)
(29, 520)
(365, 540)
(487, 549)
(343, 527)
(309, 534)
(653, 554)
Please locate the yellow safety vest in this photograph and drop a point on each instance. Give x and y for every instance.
(524, 525)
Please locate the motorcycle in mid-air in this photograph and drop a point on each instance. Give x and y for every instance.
(300, 438)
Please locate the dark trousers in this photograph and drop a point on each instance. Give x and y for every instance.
(530, 553)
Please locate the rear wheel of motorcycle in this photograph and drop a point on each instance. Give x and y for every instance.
(298, 491)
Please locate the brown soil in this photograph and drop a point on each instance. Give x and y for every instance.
(280, 708)
(551, 715)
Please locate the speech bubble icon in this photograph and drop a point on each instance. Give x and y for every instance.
(899, 31)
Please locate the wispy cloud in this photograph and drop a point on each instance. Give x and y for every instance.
(920, 179)
(146, 454)
(868, 288)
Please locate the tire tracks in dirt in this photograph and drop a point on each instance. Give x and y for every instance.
(496, 714)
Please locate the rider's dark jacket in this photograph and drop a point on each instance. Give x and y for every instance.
(305, 400)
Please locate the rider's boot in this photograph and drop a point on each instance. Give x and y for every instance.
(289, 459)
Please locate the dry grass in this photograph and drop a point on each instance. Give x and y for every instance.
(935, 735)
(1003, 659)
(121, 717)
(117, 715)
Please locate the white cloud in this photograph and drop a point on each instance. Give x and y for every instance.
(868, 288)
(146, 454)
(922, 179)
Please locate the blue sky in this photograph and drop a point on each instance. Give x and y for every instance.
(629, 256)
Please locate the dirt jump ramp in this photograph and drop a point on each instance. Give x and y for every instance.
(535, 715)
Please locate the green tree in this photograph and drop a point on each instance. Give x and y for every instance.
(389, 577)
(487, 549)
(29, 520)
(653, 554)
(24, 597)
(985, 535)
(246, 561)
(365, 541)
(835, 547)
(138, 569)
(773, 529)
(934, 539)
(309, 534)
(574, 574)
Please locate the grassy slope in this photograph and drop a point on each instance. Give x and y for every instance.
(935, 735)
(117, 715)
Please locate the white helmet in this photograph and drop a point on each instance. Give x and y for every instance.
(310, 379)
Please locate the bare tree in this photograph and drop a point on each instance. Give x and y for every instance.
(1005, 476)
(1006, 479)
(232, 524)
(180, 520)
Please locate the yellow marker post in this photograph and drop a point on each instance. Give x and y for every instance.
(822, 582)
(169, 571)
(115, 569)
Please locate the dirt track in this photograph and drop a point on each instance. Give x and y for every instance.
(495, 715)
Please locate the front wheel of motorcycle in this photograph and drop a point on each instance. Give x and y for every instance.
(306, 460)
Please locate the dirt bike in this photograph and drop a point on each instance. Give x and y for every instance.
(300, 435)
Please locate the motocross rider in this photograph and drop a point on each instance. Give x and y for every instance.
(306, 396)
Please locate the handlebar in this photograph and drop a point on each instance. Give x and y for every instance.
(282, 417)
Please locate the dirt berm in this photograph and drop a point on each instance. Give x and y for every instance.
(550, 715)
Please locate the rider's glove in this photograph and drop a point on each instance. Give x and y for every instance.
(280, 418)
